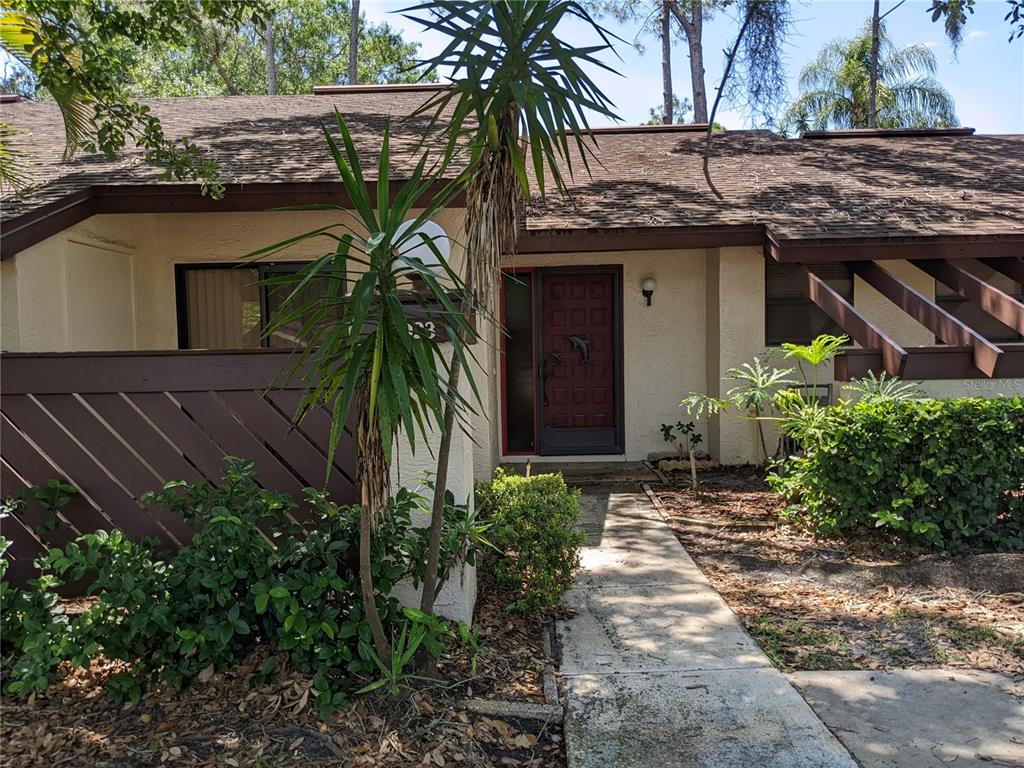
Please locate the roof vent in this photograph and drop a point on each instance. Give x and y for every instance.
(331, 90)
(886, 133)
(10, 98)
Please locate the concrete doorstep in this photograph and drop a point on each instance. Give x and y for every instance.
(658, 671)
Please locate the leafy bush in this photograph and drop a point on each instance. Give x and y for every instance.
(33, 632)
(532, 529)
(943, 473)
(250, 577)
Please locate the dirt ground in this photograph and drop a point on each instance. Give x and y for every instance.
(225, 722)
(817, 604)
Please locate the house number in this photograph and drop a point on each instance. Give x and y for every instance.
(428, 327)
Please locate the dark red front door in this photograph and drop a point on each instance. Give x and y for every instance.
(579, 375)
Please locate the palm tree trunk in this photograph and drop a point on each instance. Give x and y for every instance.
(492, 199)
(873, 78)
(353, 43)
(444, 449)
(666, 64)
(372, 473)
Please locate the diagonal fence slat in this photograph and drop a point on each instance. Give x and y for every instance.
(195, 445)
(116, 425)
(106, 449)
(123, 417)
(236, 440)
(18, 528)
(316, 425)
(33, 466)
(80, 469)
(48, 529)
(292, 445)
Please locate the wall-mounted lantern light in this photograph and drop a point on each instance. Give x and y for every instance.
(648, 286)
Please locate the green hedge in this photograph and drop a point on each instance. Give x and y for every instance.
(533, 521)
(944, 473)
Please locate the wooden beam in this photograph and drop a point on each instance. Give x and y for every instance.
(937, 320)
(929, 364)
(853, 323)
(1003, 307)
(830, 250)
(542, 241)
(1012, 267)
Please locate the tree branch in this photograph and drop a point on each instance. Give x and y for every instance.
(729, 62)
(214, 49)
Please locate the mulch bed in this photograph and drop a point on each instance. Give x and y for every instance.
(226, 722)
(769, 573)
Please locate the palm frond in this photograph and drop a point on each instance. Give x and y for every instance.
(908, 62)
(507, 60)
(835, 86)
(13, 173)
(19, 37)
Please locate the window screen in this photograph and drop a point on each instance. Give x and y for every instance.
(789, 314)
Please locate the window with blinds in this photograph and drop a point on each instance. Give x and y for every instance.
(222, 308)
(792, 317)
(974, 316)
(225, 306)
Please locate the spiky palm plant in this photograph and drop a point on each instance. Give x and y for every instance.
(359, 345)
(517, 107)
(835, 87)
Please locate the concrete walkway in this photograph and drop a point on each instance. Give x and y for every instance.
(658, 671)
(921, 718)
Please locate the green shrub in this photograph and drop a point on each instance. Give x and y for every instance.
(532, 521)
(250, 577)
(34, 637)
(943, 473)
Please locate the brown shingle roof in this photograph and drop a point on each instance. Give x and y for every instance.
(256, 139)
(840, 188)
(853, 187)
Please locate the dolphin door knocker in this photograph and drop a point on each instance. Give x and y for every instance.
(583, 346)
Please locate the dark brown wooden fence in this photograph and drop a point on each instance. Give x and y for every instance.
(118, 424)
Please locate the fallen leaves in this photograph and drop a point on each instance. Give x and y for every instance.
(222, 721)
(757, 563)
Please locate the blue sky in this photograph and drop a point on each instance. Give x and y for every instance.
(987, 79)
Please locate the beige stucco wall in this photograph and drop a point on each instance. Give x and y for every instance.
(10, 323)
(886, 315)
(737, 331)
(155, 243)
(46, 311)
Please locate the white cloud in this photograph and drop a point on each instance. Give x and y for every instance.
(974, 34)
(930, 44)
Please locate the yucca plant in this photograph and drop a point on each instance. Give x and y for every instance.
(359, 345)
(517, 107)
